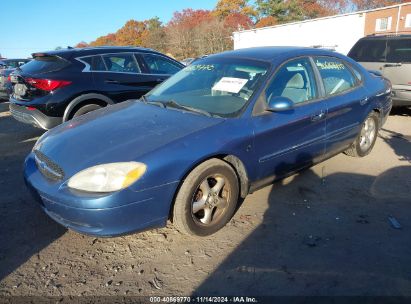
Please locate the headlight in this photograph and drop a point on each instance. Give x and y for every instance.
(107, 177)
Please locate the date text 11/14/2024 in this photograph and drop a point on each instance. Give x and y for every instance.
(203, 299)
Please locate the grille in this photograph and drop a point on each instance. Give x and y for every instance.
(47, 167)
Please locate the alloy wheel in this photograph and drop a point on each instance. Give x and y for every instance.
(210, 200)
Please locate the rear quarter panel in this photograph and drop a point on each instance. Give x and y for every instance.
(380, 99)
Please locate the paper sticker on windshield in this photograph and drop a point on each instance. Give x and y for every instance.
(230, 84)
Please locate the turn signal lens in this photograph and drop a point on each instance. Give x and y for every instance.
(47, 84)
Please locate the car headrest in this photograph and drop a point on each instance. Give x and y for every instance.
(296, 82)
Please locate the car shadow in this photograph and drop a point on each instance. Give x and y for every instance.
(24, 229)
(324, 236)
(401, 111)
(400, 143)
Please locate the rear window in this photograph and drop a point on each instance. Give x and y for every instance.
(44, 64)
(368, 50)
(399, 50)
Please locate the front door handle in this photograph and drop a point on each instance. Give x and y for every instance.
(318, 116)
(392, 65)
(364, 101)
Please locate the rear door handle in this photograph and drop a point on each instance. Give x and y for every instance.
(111, 81)
(318, 116)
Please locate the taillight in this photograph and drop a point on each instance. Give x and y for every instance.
(9, 79)
(47, 84)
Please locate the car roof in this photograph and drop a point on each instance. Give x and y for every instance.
(388, 36)
(275, 53)
(76, 52)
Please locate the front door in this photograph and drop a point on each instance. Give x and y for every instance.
(286, 141)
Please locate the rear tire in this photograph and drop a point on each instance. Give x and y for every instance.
(207, 199)
(365, 141)
(85, 109)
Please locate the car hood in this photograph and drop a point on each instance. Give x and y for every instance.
(123, 132)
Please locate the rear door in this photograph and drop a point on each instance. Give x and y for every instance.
(346, 100)
(117, 75)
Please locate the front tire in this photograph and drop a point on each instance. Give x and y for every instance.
(365, 141)
(207, 199)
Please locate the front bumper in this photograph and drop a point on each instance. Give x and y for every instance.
(34, 117)
(149, 209)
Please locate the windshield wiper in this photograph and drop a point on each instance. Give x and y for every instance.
(174, 104)
(156, 103)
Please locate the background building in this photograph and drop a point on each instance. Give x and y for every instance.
(338, 32)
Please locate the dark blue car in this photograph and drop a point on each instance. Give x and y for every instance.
(214, 132)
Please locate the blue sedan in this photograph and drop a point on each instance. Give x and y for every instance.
(211, 134)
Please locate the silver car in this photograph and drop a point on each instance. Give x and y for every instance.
(391, 56)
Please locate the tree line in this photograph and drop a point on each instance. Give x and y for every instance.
(193, 33)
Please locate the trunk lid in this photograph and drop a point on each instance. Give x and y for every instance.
(24, 88)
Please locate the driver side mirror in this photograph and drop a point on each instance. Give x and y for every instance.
(279, 104)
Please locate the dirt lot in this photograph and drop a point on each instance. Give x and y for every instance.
(322, 232)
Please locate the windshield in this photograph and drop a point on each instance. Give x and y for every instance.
(219, 87)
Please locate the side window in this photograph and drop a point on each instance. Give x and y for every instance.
(399, 50)
(125, 63)
(369, 50)
(336, 76)
(160, 65)
(357, 74)
(295, 80)
(95, 62)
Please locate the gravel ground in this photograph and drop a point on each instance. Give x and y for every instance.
(324, 231)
